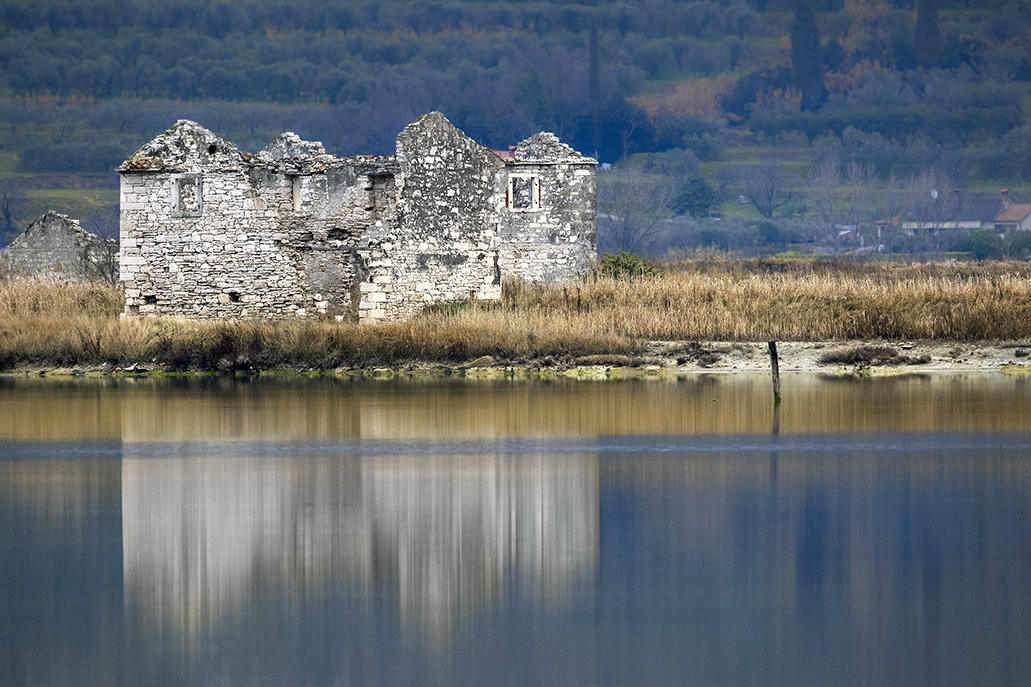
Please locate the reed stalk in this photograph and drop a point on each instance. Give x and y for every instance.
(63, 323)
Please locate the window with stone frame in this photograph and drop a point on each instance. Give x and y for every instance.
(187, 196)
(524, 192)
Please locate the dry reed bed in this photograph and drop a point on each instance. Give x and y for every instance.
(795, 307)
(49, 323)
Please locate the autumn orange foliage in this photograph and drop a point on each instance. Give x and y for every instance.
(696, 97)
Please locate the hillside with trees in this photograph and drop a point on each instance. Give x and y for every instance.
(782, 118)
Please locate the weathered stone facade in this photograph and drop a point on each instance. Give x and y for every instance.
(56, 244)
(208, 231)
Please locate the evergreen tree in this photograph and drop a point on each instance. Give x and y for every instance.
(594, 85)
(927, 42)
(806, 57)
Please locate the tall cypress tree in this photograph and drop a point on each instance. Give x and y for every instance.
(806, 65)
(927, 42)
(594, 84)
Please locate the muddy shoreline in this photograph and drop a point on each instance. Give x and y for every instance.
(663, 359)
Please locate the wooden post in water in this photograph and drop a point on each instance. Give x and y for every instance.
(775, 369)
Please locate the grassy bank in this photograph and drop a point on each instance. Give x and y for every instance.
(50, 323)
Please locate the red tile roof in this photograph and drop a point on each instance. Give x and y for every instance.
(1013, 213)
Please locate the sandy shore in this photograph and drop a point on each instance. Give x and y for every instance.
(671, 358)
(806, 357)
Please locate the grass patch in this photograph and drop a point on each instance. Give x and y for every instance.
(872, 356)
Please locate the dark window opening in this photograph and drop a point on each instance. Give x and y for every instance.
(234, 297)
(150, 300)
(212, 149)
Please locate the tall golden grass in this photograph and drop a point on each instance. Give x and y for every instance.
(46, 322)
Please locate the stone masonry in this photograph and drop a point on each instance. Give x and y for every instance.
(55, 244)
(209, 231)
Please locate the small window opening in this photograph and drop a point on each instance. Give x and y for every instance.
(150, 300)
(212, 149)
(524, 192)
(187, 200)
(382, 193)
(234, 297)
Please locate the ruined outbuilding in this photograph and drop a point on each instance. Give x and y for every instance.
(209, 231)
(55, 244)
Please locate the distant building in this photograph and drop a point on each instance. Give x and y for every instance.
(56, 244)
(208, 231)
(1012, 217)
(955, 211)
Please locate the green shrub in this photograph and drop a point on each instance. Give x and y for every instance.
(626, 265)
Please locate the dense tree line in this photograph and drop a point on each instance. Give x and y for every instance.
(891, 87)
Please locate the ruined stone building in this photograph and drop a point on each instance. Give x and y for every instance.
(55, 244)
(208, 231)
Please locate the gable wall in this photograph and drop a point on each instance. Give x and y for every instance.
(226, 262)
(55, 244)
(443, 246)
(558, 240)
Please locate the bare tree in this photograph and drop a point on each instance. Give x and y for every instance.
(840, 201)
(860, 180)
(892, 211)
(929, 205)
(104, 222)
(100, 261)
(931, 202)
(632, 209)
(823, 195)
(12, 194)
(769, 187)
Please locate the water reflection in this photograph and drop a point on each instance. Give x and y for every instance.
(894, 562)
(443, 536)
(285, 409)
(338, 533)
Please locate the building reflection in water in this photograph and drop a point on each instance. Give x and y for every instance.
(444, 537)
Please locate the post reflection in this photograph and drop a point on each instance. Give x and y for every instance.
(443, 538)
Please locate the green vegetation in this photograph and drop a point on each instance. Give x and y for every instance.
(707, 101)
(53, 323)
(625, 265)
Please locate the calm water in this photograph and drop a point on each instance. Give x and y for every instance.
(329, 532)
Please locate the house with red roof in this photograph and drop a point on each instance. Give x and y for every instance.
(1012, 217)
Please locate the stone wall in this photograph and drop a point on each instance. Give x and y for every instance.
(56, 244)
(266, 236)
(443, 246)
(208, 231)
(548, 223)
(226, 261)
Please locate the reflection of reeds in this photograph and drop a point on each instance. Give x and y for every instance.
(65, 323)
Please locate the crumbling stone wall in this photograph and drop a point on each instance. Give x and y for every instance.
(208, 231)
(548, 223)
(56, 244)
(443, 245)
